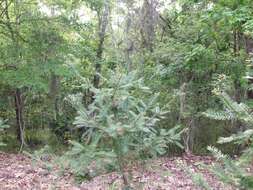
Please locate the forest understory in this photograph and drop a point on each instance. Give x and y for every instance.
(126, 94)
(17, 171)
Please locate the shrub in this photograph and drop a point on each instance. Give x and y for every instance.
(236, 171)
(120, 125)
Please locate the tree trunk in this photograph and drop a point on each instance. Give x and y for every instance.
(54, 95)
(149, 18)
(103, 22)
(189, 123)
(249, 49)
(237, 125)
(248, 44)
(189, 135)
(129, 43)
(19, 107)
(13, 30)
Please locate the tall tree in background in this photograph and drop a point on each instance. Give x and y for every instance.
(10, 25)
(29, 54)
(129, 44)
(148, 22)
(103, 14)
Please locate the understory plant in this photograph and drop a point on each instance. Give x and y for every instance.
(119, 126)
(234, 171)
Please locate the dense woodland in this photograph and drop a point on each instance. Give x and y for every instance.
(110, 83)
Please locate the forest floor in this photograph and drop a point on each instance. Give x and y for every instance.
(17, 171)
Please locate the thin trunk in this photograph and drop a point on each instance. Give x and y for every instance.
(13, 30)
(189, 133)
(124, 176)
(182, 100)
(237, 84)
(54, 95)
(128, 40)
(249, 49)
(248, 44)
(236, 42)
(120, 162)
(129, 45)
(19, 107)
(237, 125)
(103, 23)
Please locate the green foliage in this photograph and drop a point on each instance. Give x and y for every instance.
(41, 137)
(234, 111)
(199, 180)
(234, 171)
(42, 156)
(43, 43)
(118, 123)
(3, 126)
(192, 44)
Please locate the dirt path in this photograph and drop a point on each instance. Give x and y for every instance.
(18, 172)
